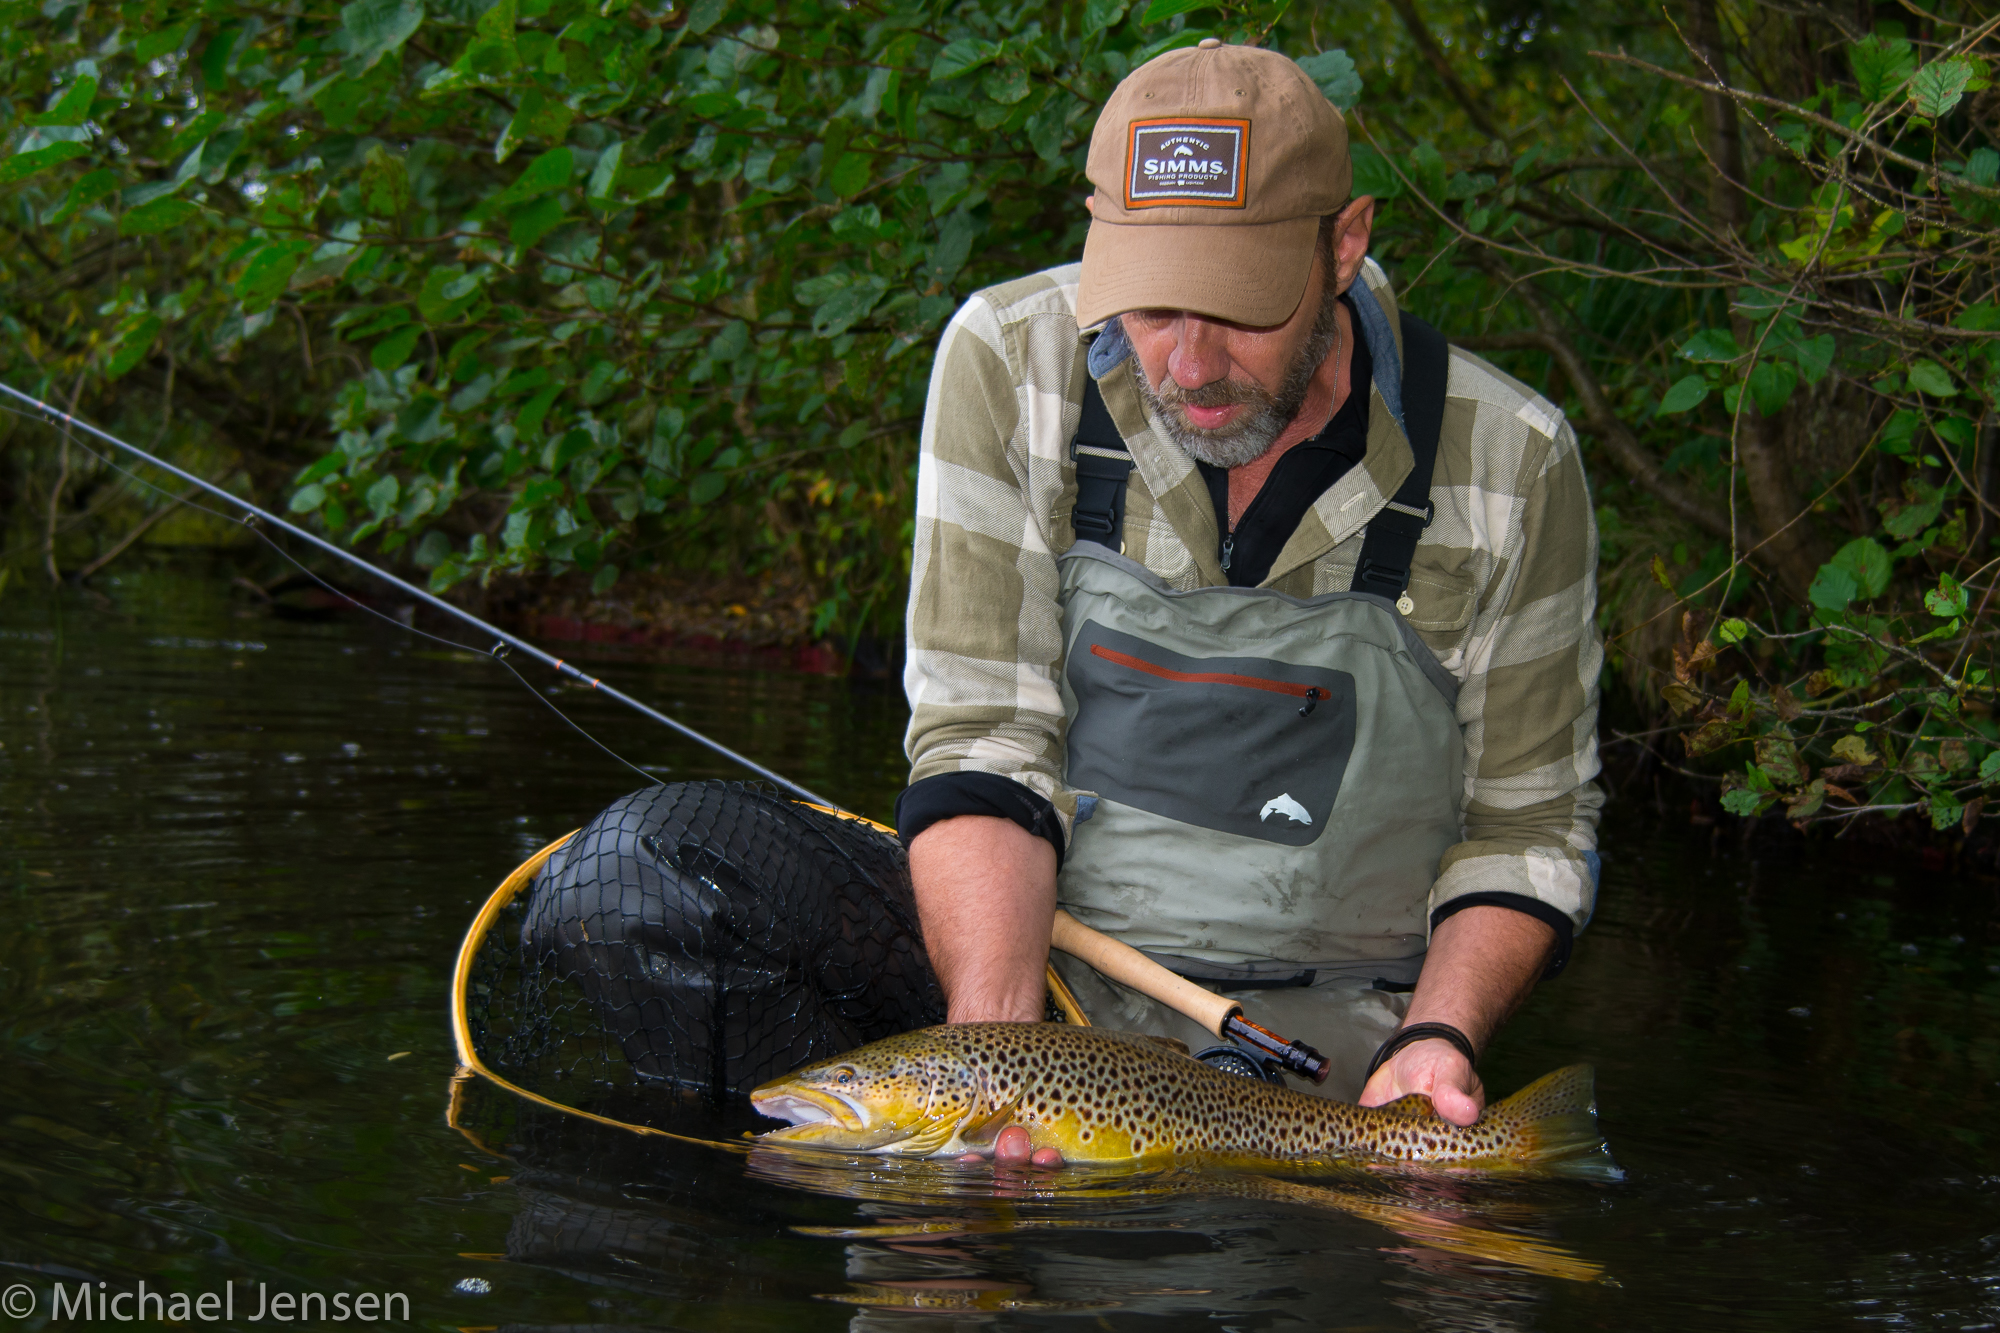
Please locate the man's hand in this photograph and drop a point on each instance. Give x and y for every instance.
(986, 893)
(1436, 1069)
(1482, 963)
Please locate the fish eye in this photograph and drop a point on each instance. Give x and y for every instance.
(844, 1076)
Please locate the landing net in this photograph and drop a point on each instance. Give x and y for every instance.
(690, 942)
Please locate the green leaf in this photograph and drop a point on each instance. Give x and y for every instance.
(1912, 519)
(850, 173)
(1161, 10)
(1989, 768)
(1880, 65)
(604, 176)
(133, 345)
(1931, 378)
(1832, 588)
(706, 487)
(1685, 393)
(193, 133)
(848, 306)
(1814, 356)
(528, 421)
(1945, 812)
(705, 15)
(266, 275)
(307, 498)
(447, 294)
(545, 175)
(954, 247)
(1710, 345)
(158, 216)
(1372, 173)
(385, 183)
(23, 165)
(156, 44)
(73, 107)
(1899, 430)
(1101, 14)
(1005, 84)
(371, 29)
(1771, 384)
(92, 187)
(962, 57)
(395, 349)
(1866, 560)
(432, 551)
(526, 226)
(1938, 86)
(1732, 632)
(1779, 759)
(382, 496)
(1336, 76)
(1948, 600)
(538, 117)
(1744, 801)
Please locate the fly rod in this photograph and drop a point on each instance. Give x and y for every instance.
(57, 415)
(1215, 1013)
(1212, 1011)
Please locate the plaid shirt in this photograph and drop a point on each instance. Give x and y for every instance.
(1504, 580)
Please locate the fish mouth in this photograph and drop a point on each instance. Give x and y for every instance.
(806, 1107)
(821, 1119)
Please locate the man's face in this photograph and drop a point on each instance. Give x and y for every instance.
(1225, 391)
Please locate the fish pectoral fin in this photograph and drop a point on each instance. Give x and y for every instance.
(1416, 1106)
(981, 1133)
(928, 1140)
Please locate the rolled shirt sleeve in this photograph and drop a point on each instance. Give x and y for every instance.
(1529, 700)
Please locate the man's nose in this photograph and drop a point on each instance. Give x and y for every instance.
(1199, 356)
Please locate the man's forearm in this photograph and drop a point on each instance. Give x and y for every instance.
(986, 891)
(1482, 963)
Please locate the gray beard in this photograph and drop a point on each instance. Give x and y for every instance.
(1245, 439)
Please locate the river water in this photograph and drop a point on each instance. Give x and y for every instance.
(240, 851)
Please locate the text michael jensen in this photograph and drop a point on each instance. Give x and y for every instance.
(210, 1306)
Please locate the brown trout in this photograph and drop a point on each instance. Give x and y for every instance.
(1098, 1096)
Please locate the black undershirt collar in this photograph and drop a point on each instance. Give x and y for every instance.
(1304, 474)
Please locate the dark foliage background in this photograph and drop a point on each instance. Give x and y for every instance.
(539, 288)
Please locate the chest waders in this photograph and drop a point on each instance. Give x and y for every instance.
(1277, 777)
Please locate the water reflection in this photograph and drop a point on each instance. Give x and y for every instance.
(235, 878)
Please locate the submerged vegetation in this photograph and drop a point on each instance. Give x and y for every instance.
(535, 287)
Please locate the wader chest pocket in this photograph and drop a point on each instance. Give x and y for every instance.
(1240, 745)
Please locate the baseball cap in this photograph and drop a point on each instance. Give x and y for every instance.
(1212, 165)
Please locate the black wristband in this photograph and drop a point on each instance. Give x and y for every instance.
(1415, 1033)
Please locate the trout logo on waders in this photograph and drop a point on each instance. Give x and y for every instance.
(1283, 804)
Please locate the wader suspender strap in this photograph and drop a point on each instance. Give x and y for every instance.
(1102, 465)
(1391, 543)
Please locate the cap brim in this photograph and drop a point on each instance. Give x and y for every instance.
(1247, 274)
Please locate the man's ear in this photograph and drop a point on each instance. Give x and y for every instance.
(1350, 240)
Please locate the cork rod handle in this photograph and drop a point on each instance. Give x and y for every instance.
(1123, 963)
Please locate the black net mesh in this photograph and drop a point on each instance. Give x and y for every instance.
(698, 939)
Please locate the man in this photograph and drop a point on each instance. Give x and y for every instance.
(1181, 658)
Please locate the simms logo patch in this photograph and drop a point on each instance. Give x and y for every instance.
(1199, 162)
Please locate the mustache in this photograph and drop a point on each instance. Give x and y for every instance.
(1216, 393)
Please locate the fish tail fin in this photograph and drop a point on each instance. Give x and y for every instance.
(1551, 1125)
